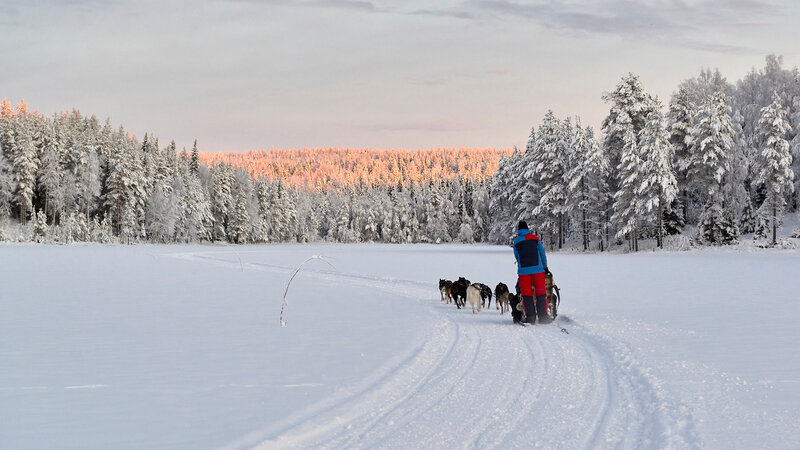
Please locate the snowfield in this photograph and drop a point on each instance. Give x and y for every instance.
(181, 347)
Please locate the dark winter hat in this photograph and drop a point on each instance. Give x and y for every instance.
(522, 225)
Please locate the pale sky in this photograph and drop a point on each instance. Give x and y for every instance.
(254, 74)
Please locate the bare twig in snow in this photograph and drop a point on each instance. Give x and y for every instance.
(289, 282)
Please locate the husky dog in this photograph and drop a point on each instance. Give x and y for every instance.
(445, 288)
(474, 297)
(501, 297)
(486, 294)
(459, 291)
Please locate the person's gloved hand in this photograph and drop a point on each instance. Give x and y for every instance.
(547, 271)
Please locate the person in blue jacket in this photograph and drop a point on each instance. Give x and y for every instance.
(531, 268)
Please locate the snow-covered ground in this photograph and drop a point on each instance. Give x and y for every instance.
(181, 347)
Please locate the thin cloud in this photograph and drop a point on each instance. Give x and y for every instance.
(434, 126)
(452, 13)
(353, 5)
(674, 22)
(500, 72)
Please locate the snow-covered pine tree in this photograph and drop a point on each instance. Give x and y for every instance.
(283, 226)
(199, 218)
(680, 122)
(673, 219)
(222, 201)
(526, 185)
(600, 199)
(87, 177)
(49, 181)
(712, 140)
(7, 187)
(627, 204)
(481, 219)
(550, 166)
(24, 162)
(436, 224)
(195, 164)
(579, 185)
(238, 230)
(161, 215)
(40, 226)
(795, 152)
(658, 186)
(630, 106)
(775, 172)
(370, 231)
(748, 219)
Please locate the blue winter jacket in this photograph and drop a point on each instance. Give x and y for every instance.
(529, 251)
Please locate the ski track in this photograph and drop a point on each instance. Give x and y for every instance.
(478, 381)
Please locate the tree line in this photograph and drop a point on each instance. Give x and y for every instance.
(70, 178)
(316, 168)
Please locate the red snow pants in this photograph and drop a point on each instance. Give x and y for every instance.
(527, 284)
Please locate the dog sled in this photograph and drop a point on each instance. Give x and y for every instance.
(552, 299)
(553, 295)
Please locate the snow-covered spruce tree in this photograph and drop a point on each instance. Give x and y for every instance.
(550, 166)
(627, 204)
(161, 215)
(399, 216)
(49, 180)
(370, 231)
(500, 212)
(630, 106)
(343, 233)
(795, 152)
(578, 185)
(680, 122)
(87, 177)
(7, 187)
(283, 226)
(748, 219)
(40, 226)
(222, 202)
(436, 223)
(588, 198)
(658, 186)
(734, 185)
(600, 198)
(712, 140)
(239, 227)
(265, 207)
(24, 162)
(126, 187)
(480, 200)
(526, 186)
(775, 172)
(195, 161)
(673, 219)
(199, 218)
(239, 221)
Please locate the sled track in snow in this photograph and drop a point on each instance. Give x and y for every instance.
(478, 381)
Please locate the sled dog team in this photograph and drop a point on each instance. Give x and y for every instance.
(478, 295)
(530, 300)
